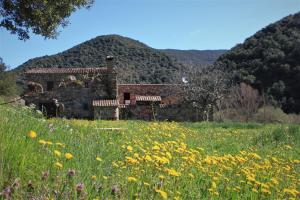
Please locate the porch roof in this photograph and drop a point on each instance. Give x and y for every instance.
(105, 103)
(147, 98)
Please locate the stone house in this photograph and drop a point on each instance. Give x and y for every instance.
(93, 93)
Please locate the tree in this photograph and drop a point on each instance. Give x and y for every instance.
(42, 17)
(204, 89)
(8, 85)
(244, 101)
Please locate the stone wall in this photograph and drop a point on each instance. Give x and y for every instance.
(168, 92)
(75, 96)
(106, 113)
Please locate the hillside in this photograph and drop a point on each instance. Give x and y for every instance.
(270, 61)
(135, 61)
(195, 57)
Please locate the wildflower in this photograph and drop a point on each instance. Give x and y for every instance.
(98, 158)
(147, 184)
(57, 153)
(49, 142)
(43, 142)
(94, 177)
(155, 148)
(80, 187)
(16, 184)
(266, 191)
(71, 173)
(59, 144)
(115, 190)
(129, 148)
(105, 177)
(148, 158)
(131, 160)
(292, 192)
(274, 181)
(162, 193)
(161, 177)
(173, 172)
(32, 134)
(30, 186)
(58, 165)
(213, 185)
(45, 175)
(68, 156)
(131, 179)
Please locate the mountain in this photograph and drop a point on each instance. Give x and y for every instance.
(270, 62)
(195, 57)
(135, 62)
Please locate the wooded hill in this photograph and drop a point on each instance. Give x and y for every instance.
(135, 61)
(270, 62)
(195, 57)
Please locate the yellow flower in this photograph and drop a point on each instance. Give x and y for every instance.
(155, 148)
(173, 172)
(266, 191)
(57, 153)
(68, 156)
(129, 148)
(131, 179)
(147, 184)
(93, 177)
(292, 192)
(163, 194)
(59, 144)
(105, 177)
(148, 158)
(161, 177)
(254, 190)
(43, 142)
(58, 165)
(32, 134)
(213, 185)
(98, 158)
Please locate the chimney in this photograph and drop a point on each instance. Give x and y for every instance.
(109, 63)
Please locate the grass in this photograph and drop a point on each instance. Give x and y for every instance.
(145, 160)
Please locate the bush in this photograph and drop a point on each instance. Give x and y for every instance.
(270, 114)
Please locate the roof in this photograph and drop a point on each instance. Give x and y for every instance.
(55, 70)
(147, 84)
(147, 98)
(105, 103)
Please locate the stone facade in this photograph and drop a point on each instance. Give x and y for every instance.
(69, 92)
(93, 93)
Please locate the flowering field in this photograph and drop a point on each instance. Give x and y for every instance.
(77, 159)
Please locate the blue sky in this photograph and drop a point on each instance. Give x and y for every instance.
(177, 24)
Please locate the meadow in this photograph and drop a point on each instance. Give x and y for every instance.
(79, 159)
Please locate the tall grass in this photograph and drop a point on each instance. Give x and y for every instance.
(145, 160)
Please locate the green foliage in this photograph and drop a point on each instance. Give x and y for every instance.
(195, 57)
(42, 17)
(135, 62)
(8, 85)
(269, 61)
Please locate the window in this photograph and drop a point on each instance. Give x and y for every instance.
(86, 84)
(126, 98)
(50, 85)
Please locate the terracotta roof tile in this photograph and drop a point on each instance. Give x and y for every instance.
(55, 70)
(147, 98)
(105, 103)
